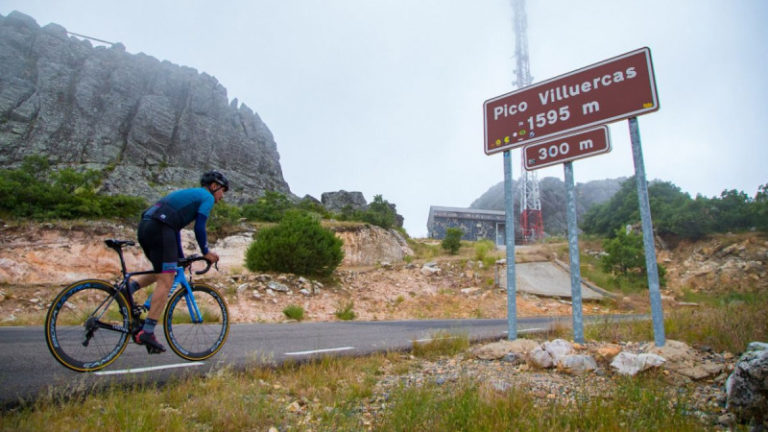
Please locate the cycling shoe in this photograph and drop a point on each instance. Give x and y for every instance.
(149, 341)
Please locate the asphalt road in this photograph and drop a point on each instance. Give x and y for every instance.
(28, 368)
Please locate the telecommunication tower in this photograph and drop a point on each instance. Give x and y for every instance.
(531, 220)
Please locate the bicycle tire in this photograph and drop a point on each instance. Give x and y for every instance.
(196, 341)
(67, 323)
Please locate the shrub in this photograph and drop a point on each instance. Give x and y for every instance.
(452, 240)
(295, 312)
(298, 244)
(345, 312)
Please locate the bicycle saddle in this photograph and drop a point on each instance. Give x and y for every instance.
(117, 244)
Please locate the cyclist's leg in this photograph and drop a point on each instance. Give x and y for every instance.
(187, 335)
(159, 242)
(86, 326)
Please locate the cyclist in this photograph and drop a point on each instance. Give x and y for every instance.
(159, 235)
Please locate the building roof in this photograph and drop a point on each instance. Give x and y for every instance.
(463, 210)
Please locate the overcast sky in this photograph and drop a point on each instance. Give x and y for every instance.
(385, 96)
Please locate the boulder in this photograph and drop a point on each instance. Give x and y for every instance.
(627, 363)
(747, 386)
(576, 364)
(337, 201)
(497, 350)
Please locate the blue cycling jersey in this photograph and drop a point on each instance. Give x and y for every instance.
(181, 207)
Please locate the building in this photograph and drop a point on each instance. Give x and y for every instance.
(477, 224)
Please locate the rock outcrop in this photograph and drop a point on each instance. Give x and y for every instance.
(747, 387)
(149, 125)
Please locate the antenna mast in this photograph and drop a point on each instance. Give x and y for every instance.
(531, 221)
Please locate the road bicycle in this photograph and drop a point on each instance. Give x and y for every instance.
(90, 323)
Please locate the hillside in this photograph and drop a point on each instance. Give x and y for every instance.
(375, 278)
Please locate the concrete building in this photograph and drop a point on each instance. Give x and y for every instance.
(477, 224)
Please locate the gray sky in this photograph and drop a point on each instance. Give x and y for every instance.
(386, 96)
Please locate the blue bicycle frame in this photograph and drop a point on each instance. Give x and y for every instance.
(181, 279)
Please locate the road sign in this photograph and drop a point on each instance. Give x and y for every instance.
(614, 89)
(567, 148)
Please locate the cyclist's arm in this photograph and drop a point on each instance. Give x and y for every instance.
(200, 233)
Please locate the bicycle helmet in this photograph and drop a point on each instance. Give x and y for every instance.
(214, 177)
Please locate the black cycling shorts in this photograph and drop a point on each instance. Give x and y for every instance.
(160, 245)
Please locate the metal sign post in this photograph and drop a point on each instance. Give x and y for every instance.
(573, 252)
(648, 243)
(509, 227)
(565, 150)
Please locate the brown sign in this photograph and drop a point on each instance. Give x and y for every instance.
(567, 148)
(604, 92)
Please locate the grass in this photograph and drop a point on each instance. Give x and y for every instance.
(719, 323)
(441, 344)
(329, 395)
(636, 404)
(345, 312)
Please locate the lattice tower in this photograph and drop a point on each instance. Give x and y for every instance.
(531, 220)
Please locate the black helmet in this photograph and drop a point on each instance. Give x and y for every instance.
(214, 177)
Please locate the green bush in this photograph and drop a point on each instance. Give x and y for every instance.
(452, 240)
(298, 244)
(294, 312)
(37, 191)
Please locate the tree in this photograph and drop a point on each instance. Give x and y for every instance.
(269, 208)
(380, 213)
(452, 240)
(626, 256)
(624, 253)
(761, 208)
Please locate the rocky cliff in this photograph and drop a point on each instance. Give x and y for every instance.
(148, 125)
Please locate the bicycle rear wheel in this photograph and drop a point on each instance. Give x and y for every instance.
(196, 323)
(86, 327)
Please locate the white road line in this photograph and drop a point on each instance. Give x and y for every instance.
(298, 353)
(149, 369)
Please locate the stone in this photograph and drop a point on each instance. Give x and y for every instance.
(747, 387)
(627, 363)
(540, 358)
(429, 269)
(674, 351)
(576, 364)
(558, 348)
(607, 352)
(338, 201)
(277, 286)
(497, 350)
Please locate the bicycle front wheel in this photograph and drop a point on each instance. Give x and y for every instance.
(86, 327)
(196, 322)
